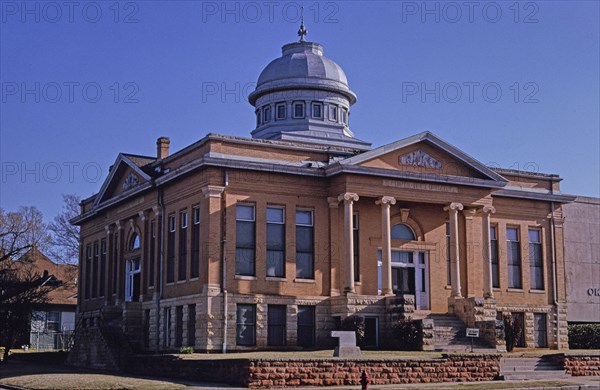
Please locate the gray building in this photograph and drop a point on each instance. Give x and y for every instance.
(582, 259)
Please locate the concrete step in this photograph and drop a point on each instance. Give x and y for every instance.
(534, 375)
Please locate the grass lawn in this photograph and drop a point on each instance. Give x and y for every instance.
(33, 376)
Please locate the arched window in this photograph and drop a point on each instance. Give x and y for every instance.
(134, 243)
(402, 232)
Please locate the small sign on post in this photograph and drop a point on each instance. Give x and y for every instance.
(472, 333)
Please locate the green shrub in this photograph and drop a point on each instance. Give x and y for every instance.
(355, 324)
(187, 350)
(408, 335)
(584, 336)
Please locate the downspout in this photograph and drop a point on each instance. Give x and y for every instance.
(224, 259)
(554, 273)
(159, 296)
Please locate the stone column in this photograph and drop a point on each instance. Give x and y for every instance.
(349, 198)
(488, 291)
(334, 258)
(453, 210)
(386, 245)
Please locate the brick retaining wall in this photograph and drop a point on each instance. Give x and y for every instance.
(579, 364)
(256, 373)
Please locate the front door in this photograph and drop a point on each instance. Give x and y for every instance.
(132, 280)
(410, 275)
(371, 332)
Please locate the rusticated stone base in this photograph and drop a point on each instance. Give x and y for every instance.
(579, 364)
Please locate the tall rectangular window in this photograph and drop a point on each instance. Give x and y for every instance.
(298, 110)
(448, 259)
(305, 243)
(276, 319)
(280, 111)
(513, 254)
(152, 260)
(53, 321)
(183, 239)
(276, 241)
(536, 263)
(171, 249)
(494, 259)
(355, 237)
(95, 264)
(115, 262)
(178, 326)
(88, 271)
(306, 326)
(246, 324)
(102, 267)
(195, 266)
(245, 239)
(191, 326)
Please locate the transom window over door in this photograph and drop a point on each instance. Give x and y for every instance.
(403, 232)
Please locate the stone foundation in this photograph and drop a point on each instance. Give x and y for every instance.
(579, 364)
(255, 373)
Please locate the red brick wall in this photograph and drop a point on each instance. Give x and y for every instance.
(453, 368)
(581, 365)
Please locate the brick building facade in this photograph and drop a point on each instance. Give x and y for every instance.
(269, 242)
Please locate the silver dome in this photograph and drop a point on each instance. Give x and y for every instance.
(302, 66)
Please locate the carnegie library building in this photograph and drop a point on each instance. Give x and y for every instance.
(270, 241)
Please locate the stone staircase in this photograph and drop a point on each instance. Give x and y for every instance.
(449, 334)
(525, 368)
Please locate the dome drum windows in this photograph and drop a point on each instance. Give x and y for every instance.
(317, 110)
(333, 113)
(298, 110)
(267, 114)
(258, 118)
(280, 111)
(345, 116)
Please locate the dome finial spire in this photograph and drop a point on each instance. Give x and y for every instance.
(302, 31)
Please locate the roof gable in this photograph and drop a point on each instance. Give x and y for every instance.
(424, 153)
(124, 175)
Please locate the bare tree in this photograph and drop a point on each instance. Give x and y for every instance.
(21, 288)
(64, 236)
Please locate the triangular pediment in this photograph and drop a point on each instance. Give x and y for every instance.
(124, 176)
(424, 153)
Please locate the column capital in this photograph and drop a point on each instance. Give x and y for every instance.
(212, 191)
(108, 229)
(119, 225)
(386, 201)
(156, 211)
(143, 215)
(488, 210)
(131, 224)
(348, 197)
(454, 206)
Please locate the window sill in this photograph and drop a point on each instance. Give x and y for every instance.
(447, 287)
(357, 283)
(304, 281)
(496, 289)
(170, 284)
(275, 279)
(193, 279)
(518, 290)
(535, 291)
(245, 277)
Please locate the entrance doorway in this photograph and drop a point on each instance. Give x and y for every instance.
(132, 280)
(410, 275)
(371, 332)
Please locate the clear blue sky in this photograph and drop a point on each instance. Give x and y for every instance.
(172, 63)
